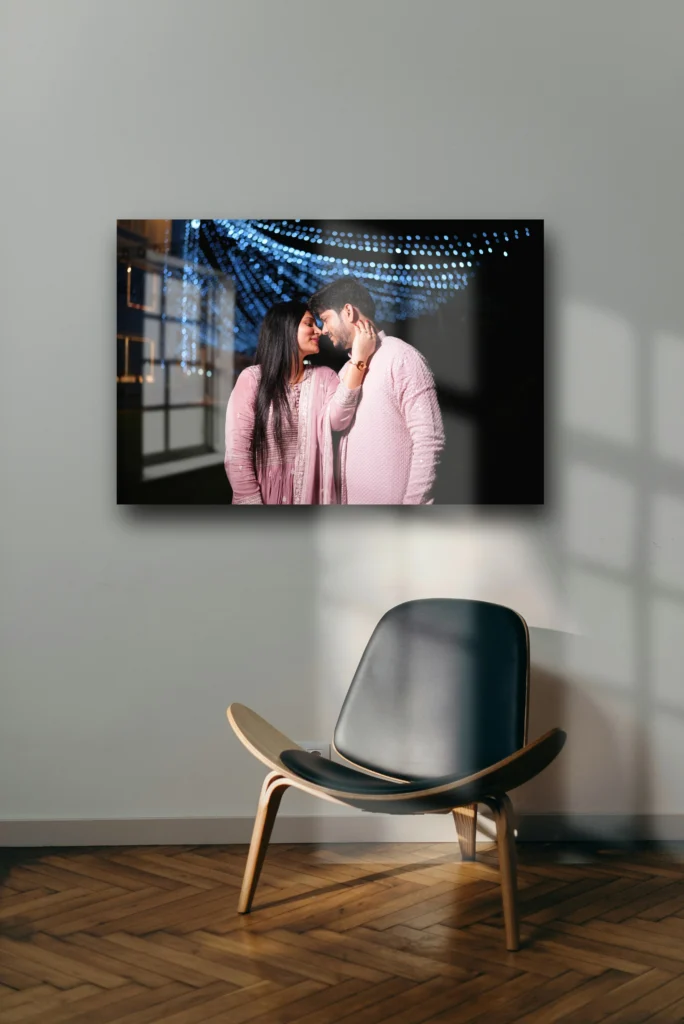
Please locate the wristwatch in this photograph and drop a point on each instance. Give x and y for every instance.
(360, 364)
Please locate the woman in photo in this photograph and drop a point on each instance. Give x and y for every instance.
(280, 415)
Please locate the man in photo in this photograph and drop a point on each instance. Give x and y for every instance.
(389, 453)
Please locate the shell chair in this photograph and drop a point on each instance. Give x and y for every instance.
(435, 721)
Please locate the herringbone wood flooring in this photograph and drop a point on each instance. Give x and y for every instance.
(362, 934)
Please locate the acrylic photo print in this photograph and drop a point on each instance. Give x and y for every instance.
(309, 362)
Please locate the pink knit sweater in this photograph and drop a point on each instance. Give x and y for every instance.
(389, 454)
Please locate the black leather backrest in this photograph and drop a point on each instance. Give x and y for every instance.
(441, 689)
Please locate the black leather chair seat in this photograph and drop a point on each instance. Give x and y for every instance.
(320, 771)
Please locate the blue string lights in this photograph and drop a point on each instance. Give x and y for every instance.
(408, 274)
(190, 297)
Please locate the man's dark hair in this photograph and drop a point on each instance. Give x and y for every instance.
(338, 293)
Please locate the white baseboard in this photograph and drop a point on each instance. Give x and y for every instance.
(219, 831)
(358, 828)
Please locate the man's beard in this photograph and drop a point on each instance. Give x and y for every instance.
(344, 337)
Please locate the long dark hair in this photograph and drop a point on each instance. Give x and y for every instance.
(277, 354)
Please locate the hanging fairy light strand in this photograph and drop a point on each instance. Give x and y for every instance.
(166, 275)
(190, 297)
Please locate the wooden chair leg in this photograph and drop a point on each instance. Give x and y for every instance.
(269, 801)
(503, 815)
(466, 829)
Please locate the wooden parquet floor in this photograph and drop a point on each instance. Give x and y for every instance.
(363, 934)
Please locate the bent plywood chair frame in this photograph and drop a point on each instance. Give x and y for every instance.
(489, 787)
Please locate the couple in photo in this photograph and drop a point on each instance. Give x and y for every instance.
(298, 434)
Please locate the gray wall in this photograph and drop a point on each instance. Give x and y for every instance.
(125, 635)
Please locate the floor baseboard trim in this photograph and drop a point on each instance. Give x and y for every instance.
(359, 828)
(220, 831)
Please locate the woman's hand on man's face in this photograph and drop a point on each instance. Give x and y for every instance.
(365, 340)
